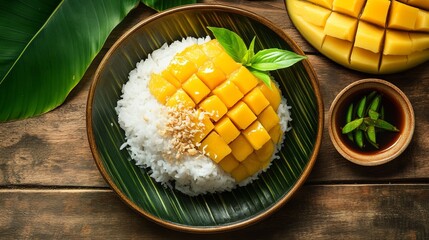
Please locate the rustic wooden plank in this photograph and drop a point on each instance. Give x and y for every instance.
(316, 212)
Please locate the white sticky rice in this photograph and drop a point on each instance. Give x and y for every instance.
(143, 119)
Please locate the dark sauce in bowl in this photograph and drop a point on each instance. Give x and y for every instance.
(393, 113)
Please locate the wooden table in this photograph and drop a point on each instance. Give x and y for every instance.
(50, 186)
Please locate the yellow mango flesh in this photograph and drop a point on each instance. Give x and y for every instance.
(372, 36)
(195, 88)
(376, 11)
(349, 7)
(244, 80)
(229, 163)
(229, 93)
(180, 98)
(241, 115)
(227, 130)
(257, 135)
(237, 112)
(369, 37)
(161, 88)
(214, 147)
(256, 101)
(214, 106)
(341, 26)
(241, 148)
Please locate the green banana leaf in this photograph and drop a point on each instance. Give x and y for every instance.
(47, 45)
(160, 5)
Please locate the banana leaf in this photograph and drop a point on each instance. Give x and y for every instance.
(47, 45)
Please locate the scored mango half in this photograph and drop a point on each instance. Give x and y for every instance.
(241, 125)
(372, 36)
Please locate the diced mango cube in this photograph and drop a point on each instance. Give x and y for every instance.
(316, 15)
(229, 163)
(214, 106)
(244, 79)
(229, 93)
(195, 54)
(376, 11)
(241, 148)
(212, 48)
(214, 147)
(180, 98)
(369, 37)
(338, 50)
(256, 100)
(349, 7)
(241, 115)
(257, 135)
(341, 26)
(365, 59)
(323, 3)
(402, 16)
(268, 118)
(314, 31)
(211, 75)
(160, 88)
(389, 62)
(397, 43)
(265, 153)
(181, 68)
(204, 120)
(170, 78)
(272, 95)
(275, 133)
(227, 130)
(239, 173)
(196, 89)
(420, 41)
(226, 63)
(252, 165)
(422, 21)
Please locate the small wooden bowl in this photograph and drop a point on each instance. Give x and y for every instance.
(400, 107)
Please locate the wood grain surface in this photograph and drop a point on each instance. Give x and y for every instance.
(50, 186)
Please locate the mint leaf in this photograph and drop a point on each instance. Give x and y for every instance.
(231, 42)
(263, 76)
(274, 58)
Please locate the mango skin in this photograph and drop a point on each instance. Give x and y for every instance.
(410, 18)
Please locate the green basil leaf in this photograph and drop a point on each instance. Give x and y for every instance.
(352, 125)
(263, 76)
(231, 42)
(46, 47)
(160, 5)
(250, 53)
(274, 58)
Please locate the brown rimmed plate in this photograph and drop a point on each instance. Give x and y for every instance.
(212, 212)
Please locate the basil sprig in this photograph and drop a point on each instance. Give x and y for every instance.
(260, 63)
